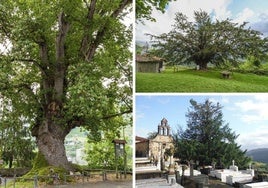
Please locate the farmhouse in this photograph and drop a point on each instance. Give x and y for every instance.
(149, 63)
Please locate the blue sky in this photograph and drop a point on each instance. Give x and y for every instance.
(253, 11)
(246, 114)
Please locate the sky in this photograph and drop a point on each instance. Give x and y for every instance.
(253, 11)
(247, 114)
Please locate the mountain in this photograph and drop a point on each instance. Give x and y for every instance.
(260, 154)
(140, 43)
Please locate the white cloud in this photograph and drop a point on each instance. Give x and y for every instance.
(253, 110)
(260, 23)
(225, 100)
(164, 100)
(245, 15)
(187, 7)
(253, 140)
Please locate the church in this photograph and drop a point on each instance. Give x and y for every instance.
(154, 149)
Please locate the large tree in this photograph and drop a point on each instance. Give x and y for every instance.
(206, 41)
(66, 64)
(207, 138)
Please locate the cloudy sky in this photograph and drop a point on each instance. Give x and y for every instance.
(253, 11)
(246, 114)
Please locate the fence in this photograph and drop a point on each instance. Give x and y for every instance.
(84, 177)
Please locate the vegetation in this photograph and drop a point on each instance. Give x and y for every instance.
(101, 153)
(189, 80)
(259, 155)
(65, 65)
(16, 144)
(208, 139)
(144, 8)
(204, 41)
(152, 135)
(259, 166)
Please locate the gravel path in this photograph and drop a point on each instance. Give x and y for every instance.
(105, 184)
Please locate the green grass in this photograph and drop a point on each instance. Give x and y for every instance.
(20, 184)
(189, 80)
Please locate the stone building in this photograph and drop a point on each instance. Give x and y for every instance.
(154, 149)
(148, 63)
(162, 141)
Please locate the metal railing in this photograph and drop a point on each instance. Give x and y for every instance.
(55, 179)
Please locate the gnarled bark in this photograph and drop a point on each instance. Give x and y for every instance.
(51, 126)
(50, 141)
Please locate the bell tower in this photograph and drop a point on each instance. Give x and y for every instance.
(164, 128)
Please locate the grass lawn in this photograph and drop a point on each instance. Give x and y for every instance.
(188, 80)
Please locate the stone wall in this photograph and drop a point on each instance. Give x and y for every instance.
(142, 149)
(14, 171)
(160, 142)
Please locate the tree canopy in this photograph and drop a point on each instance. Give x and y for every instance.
(207, 138)
(65, 65)
(206, 41)
(144, 8)
(16, 144)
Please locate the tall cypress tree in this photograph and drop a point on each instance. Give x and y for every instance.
(208, 138)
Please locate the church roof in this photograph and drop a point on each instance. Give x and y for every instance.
(141, 139)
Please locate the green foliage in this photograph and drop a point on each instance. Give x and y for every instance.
(101, 152)
(260, 166)
(16, 144)
(207, 138)
(144, 8)
(204, 41)
(189, 80)
(251, 63)
(152, 135)
(64, 56)
(138, 49)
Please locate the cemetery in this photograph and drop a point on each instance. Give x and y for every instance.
(233, 175)
(156, 167)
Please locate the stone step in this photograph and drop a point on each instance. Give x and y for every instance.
(155, 183)
(149, 181)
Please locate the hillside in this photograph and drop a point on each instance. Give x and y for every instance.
(260, 155)
(189, 80)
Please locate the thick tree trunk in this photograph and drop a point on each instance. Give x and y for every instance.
(50, 130)
(50, 141)
(202, 65)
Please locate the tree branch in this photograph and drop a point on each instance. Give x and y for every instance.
(90, 52)
(60, 55)
(117, 114)
(91, 9)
